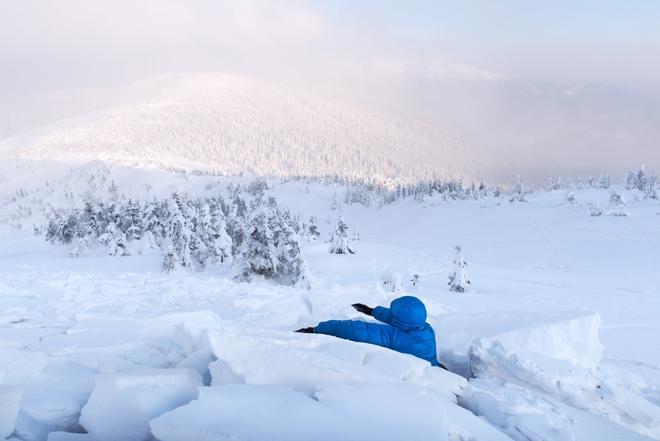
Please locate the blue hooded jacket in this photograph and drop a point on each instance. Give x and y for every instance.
(404, 329)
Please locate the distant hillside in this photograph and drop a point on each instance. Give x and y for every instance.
(234, 125)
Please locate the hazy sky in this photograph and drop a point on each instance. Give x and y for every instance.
(424, 58)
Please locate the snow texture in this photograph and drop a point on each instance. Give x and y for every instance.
(329, 412)
(122, 405)
(555, 343)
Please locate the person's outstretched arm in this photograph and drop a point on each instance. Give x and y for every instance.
(356, 330)
(380, 313)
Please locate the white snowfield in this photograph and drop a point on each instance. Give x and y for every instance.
(556, 340)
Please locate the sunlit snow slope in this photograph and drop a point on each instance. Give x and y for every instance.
(235, 125)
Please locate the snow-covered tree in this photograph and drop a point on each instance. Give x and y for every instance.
(605, 181)
(617, 204)
(131, 220)
(651, 187)
(458, 278)
(55, 228)
(595, 210)
(340, 243)
(235, 229)
(114, 240)
(291, 268)
(390, 280)
(214, 234)
(183, 242)
(259, 254)
(519, 193)
(313, 229)
(570, 199)
(90, 220)
(170, 260)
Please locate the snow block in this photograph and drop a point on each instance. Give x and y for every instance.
(68, 436)
(292, 359)
(372, 412)
(567, 383)
(10, 403)
(525, 414)
(17, 366)
(122, 405)
(52, 401)
(571, 336)
(199, 361)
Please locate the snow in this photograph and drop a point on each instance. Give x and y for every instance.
(121, 405)
(52, 401)
(554, 341)
(10, 403)
(316, 359)
(527, 415)
(566, 335)
(256, 412)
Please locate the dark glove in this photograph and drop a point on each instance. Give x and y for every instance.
(310, 330)
(364, 309)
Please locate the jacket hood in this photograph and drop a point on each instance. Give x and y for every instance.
(408, 313)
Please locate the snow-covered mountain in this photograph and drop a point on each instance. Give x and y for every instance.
(235, 125)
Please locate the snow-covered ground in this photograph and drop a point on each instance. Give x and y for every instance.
(558, 335)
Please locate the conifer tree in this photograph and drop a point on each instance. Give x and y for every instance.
(340, 243)
(519, 192)
(617, 204)
(259, 254)
(114, 240)
(313, 229)
(458, 278)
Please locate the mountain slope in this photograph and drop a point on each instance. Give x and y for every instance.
(235, 125)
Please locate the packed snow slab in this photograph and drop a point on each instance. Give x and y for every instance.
(53, 400)
(526, 414)
(517, 358)
(571, 336)
(68, 436)
(268, 412)
(563, 382)
(121, 405)
(303, 359)
(17, 365)
(10, 403)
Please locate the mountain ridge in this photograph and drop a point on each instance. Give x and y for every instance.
(234, 125)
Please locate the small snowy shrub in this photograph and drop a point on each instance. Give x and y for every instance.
(312, 229)
(570, 199)
(414, 280)
(390, 281)
(595, 210)
(458, 278)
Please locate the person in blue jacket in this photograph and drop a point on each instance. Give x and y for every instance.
(403, 328)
